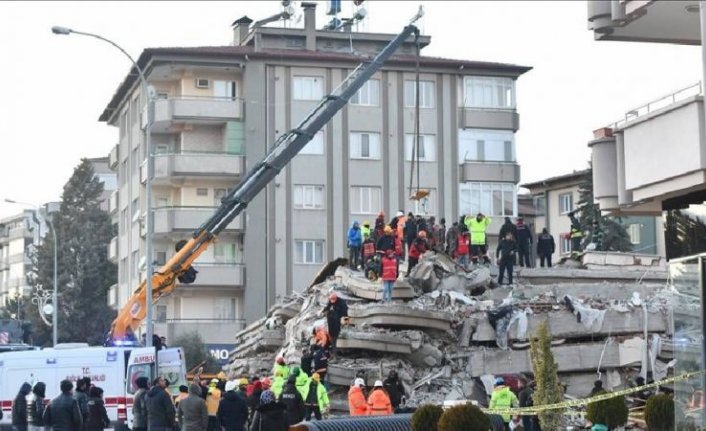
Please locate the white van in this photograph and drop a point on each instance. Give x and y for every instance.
(114, 369)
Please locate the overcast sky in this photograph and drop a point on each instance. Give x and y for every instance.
(55, 87)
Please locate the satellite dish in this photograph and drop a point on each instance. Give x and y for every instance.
(48, 309)
(289, 10)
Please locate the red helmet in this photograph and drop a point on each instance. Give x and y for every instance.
(422, 234)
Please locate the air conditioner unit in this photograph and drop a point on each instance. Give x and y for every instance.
(202, 83)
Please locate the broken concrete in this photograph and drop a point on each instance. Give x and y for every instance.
(399, 315)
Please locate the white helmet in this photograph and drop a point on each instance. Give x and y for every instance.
(378, 383)
(359, 382)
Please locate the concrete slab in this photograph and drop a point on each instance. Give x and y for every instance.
(576, 275)
(380, 342)
(398, 315)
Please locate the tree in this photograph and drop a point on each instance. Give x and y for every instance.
(83, 232)
(545, 369)
(612, 412)
(606, 232)
(195, 352)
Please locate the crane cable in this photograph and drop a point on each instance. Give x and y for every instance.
(416, 149)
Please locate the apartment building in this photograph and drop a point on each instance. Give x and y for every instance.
(219, 109)
(554, 198)
(653, 162)
(17, 235)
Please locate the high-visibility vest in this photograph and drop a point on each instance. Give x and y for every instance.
(389, 269)
(356, 402)
(368, 249)
(462, 244)
(379, 403)
(477, 229)
(398, 246)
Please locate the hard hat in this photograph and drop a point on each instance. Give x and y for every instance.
(378, 383)
(333, 297)
(243, 382)
(499, 381)
(422, 234)
(388, 229)
(221, 376)
(316, 377)
(359, 382)
(214, 381)
(266, 382)
(296, 371)
(231, 385)
(400, 214)
(366, 223)
(280, 360)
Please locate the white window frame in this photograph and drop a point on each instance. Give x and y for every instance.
(477, 197)
(428, 145)
(564, 245)
(493, 92)
(309, 197)
(427, 94)
(368, 95)
(315, 147)
(475, 145)
(563, 197)
(201, 191)
(356, 145)
(369, 199)
(305, 251)
(221, 255)
(225, 90)
(635, 232)
(307, 87)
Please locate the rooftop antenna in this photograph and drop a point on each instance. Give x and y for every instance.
(286, 14)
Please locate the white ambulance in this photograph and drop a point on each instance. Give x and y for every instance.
(114, 369)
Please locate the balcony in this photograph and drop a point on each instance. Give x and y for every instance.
(501, 172)
(488, 118)
(20, 232)
(186, 219)
(194, 110)
(220, 274)
(177, 167)
(213, 331)
(113, 204)
(113, 159)
(113, 249)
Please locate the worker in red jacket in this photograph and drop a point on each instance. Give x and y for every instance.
(390, 272)
(463, 241)
(419, 247)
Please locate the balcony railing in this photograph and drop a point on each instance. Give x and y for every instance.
(657, 104)
(184, 164)
(113, 249)
(113, 205)
(197, 109)
(187, 218)
(113, 157)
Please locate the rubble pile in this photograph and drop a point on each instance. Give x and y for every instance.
(448, 332)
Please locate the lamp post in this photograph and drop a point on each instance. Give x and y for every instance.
(148, 181)
(54, 297)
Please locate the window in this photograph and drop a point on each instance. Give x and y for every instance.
(315, 146)
(234, 138)
(135, 163)
(491, 199)
(426, 94)
(309, 251)
(427, 148)
(160, 313)
(135, 111)
(160, 257)
(634, 232)
(122, 173)
(224, 252)
(488, 92)
(484, 145)
(540, 205)
(123, 271)
(365, 145)
(224, 90)
(135, 210)
(366, 200)
(564, 244)
(310, 197)
(135, 262)
(219, 194)
(123, 223)
(425, 206)
(308, 88)
(368, 95)
(110, 181)
(566, 203)
(122, 124)
(224, 308)
(161, 149)
(201, 191)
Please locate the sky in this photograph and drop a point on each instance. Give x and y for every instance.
(53, 88)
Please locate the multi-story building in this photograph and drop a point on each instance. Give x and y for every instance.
(219, 109)
(554, 198)
(17, 235)
(108, 177)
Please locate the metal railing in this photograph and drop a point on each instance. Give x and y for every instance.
(657, 104)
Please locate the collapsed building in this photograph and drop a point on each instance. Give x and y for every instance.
(449, 332)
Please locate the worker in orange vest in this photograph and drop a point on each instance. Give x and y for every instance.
(356, 398)
(401, 220)
(378, 401)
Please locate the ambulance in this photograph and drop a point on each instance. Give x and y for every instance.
(114, 369)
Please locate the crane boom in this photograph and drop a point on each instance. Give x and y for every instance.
(285, 148)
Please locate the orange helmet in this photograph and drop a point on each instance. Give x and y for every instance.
(422, 234)
(388, 229)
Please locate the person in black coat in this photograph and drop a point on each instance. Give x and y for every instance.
(524, 242)
(271, 415)
(508, 226)
(293, 401)
(19, 408)
(545, 248)
(336, 309)
(161, 414)
(35, 406)
(232, 411)
(63, 413)
(506, 255)
(97, 415)
(411, 229)
(306, 359)
(394, 388)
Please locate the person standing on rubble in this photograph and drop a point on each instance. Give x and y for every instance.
(281, 366)
(386, 241)
(394, 388)
(576, 234)
(502, 397)
(378, 401)
(321, 358)
(293, 401)
(451, 238)
(335, 310)
(441, 236)
(357, 405)
(305, 362)
(432, 233)
(367, 249)
(477, 227)
(418, 248)
(410, 230)
(316, 400)
(380, 225)
(355, 241)
(508, 226)
(390, 271)
(505, 254)
(524, 242)
(545, 248)
(462, 249)
(401, 221)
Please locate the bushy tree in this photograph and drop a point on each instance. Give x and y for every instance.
(195, 352)
(83, 232)
(659, 413)
(606, 232)
(546, 377)
(612, 412)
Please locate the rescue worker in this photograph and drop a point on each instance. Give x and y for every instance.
(35, 407)
(302, 382)
(365, 230)
(357, 405)
(368, 249)
(97, 419)
(390, 273)
(441, 236)
(524, 242)
(293, 401)
(355, 241)
(139, 406)
(575, 234)
(451, 238)
(243, 387)
(462, 248)
(321, 338)
(419, 247)
(19, 408)
(212, 400)
(81, 396)
(281, 367)
(305, 361)
(502, 397)
(477, 227)
(401, 220)
(386, 241)
(277, 384)
(545, 248)
(394, 388)
(432, 233)
(335, 310)
(508, 226)
(316, 401)
(321, 364)
(379, 225)
(505, 254)
(378, 401)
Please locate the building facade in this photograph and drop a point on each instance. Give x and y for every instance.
(218, 111)
(17, 235)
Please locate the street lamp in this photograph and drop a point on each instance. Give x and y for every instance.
(54, 298)
(148, 181)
